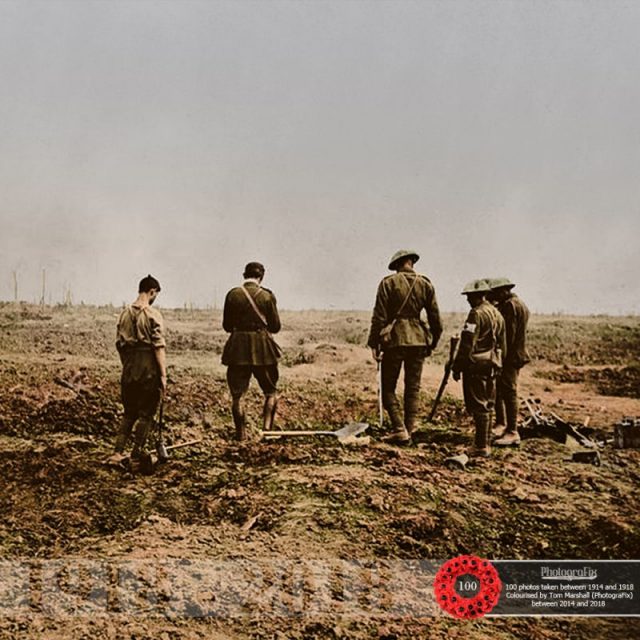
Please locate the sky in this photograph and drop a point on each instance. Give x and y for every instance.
(184, 139)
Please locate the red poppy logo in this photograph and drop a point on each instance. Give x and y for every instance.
(467, 587)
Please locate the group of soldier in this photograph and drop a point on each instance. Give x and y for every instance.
(491, 351)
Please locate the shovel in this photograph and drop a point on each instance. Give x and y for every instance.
(148, 461)
(345, 435)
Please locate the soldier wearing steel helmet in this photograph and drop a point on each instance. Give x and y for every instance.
(399, 301)
(516, 317)
(479, 358)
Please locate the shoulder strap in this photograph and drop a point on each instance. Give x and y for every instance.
(407, 296)
(253, 304)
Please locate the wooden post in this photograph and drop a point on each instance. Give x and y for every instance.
(15, 286)
(44, 287)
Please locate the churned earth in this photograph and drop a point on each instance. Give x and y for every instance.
(288, 539)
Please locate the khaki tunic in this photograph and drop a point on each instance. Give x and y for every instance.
(484, 330)
(516, 317)
(409, 330)
(250, 342)
(483, 333)
(140, 332)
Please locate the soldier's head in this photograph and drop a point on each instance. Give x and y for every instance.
(150, 286)
(476, 291)
(500, 289)
(403, 259)
(254, 270)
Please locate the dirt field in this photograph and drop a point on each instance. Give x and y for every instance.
(288, 505)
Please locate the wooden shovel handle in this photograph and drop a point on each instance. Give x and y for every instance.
(173, 447)
(273, 434)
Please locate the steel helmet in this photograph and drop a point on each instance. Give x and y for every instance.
(498, 283)
(476, 286)
(402, 254)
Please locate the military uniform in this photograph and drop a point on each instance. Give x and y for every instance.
(482, 343)
(140, 332)
(411, 339)
(250, 348)
(516, 317)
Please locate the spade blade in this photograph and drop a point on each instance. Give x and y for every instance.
(351, 430)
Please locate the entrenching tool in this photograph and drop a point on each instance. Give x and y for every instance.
(453, 345)
(345, 435)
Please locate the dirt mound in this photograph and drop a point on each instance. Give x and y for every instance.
(608, 381)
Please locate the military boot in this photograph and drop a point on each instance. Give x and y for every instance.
(124, 433)
(141, 433)
(400, 435)
(510, 437)
(481, 447)
(411, 407)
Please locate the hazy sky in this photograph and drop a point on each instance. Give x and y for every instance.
(187, 138)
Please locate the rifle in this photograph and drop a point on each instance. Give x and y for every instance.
(380, 408)
(453, 345)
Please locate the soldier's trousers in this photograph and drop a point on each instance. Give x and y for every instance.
(479, 393)
(507, 398)
(479, 400)
(140, 400)
(392, 361)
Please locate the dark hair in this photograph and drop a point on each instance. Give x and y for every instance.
(148, 283)
(253, 270)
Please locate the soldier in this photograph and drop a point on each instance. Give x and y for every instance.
(141, 345)
(479, 358)
(251, 316)
(398, 337)
(516, 317)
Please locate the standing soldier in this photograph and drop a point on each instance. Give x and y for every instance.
(516, 317)
(141, 345)
(251, 316)
(399, 336)
(479, 358)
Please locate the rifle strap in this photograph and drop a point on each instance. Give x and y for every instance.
(253, 304)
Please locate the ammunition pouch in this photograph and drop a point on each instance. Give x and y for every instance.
(485, 362)
(385, 336)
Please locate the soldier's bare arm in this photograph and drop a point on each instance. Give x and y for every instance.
(161, 359)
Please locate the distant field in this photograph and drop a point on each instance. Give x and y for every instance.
(310, 498)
